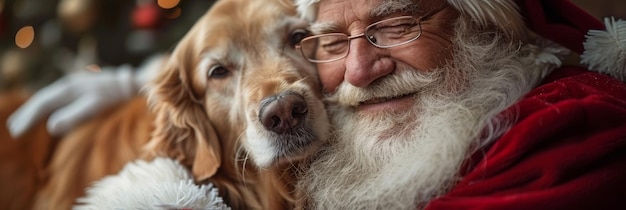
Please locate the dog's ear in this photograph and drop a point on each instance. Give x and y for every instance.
(182, 128)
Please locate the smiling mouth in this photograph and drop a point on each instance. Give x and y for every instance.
(384, 99)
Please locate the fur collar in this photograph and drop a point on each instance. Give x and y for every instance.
(605, 50)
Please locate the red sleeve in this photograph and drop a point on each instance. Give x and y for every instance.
(566, 151)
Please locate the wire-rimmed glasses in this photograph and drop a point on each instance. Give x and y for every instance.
(386, 33)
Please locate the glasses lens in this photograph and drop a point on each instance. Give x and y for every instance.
(393, 32)
(325, 48)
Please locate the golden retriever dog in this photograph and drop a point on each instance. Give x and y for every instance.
(236, 88)
(234, 103)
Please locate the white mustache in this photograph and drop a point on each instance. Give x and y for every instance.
(403, 81)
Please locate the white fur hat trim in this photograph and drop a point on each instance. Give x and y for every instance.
(160, 184)
(605, 51)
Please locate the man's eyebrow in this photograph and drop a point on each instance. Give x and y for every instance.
(389, 7)
(323, 27)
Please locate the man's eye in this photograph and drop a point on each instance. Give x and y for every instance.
(333, 44)
(394, 28)
(334, 47)
(217, 72)
(398, 29)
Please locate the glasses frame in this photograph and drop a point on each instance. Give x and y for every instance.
(368, 38)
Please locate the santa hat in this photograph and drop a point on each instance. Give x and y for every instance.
(158, 184)
(602, 46)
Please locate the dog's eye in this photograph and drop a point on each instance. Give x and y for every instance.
(217, 72)
(297, 36)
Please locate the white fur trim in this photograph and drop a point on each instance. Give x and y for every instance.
(160, 184)
(605, 51)
(543, 56)
(551, 53)
(503, 14)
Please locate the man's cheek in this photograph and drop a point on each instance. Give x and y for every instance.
(331, 77)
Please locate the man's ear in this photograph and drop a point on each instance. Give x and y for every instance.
(182, 128)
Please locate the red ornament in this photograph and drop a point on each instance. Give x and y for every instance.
(146, 16)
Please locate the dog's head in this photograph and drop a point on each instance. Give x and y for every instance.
(236, 80)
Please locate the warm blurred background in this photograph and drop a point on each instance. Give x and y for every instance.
(40, 40)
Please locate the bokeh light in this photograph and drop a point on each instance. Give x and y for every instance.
(93, 68)
(12, 65)
(25, 36)
(175, 13)
(77, 16)
(167, 4)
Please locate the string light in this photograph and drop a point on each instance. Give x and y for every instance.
(167, 4)
(25, 36)
(174, 14)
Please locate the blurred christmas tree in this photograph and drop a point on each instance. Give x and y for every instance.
(41, 40)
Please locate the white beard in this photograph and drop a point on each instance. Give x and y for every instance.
(403, 160)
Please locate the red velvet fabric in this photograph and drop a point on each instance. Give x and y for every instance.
(566, 151)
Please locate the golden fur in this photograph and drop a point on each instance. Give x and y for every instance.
(205, 122)
(22, 162)
(43, 172)
(209, 123)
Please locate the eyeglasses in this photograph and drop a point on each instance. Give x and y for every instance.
(386, 33)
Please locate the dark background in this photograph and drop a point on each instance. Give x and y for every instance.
(72, 34)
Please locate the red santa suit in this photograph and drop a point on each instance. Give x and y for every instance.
(567, 149)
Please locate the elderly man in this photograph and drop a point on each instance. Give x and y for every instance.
(456, 105)
(463, 104)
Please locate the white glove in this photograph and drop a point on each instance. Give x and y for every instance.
(73, 99)
(79, 96)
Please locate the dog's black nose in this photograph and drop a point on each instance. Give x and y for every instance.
(283, 112)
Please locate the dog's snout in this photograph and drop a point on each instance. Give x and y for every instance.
(283, 113)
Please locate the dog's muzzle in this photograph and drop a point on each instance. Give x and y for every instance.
(283, 113)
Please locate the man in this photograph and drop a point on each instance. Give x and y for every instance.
(454, 105)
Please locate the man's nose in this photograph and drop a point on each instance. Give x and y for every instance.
(365, 63)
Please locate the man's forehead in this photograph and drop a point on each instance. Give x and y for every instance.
(384, 8)
(364, 9)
